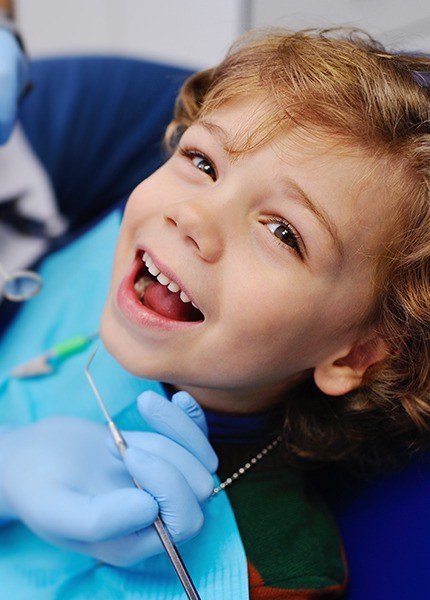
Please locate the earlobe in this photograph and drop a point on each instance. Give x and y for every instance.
(344, 371)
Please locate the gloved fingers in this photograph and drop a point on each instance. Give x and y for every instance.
(192, 409)
(8, 106)
(178, 506)
(121, 552)
(197, 476)
(81, 517)
(168, 419)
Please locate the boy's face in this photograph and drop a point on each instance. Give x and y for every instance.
(276, 247)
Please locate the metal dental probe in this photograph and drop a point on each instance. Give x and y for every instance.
(121, 444)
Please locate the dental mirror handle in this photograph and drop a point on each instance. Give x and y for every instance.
(3, 273)
(169, 546)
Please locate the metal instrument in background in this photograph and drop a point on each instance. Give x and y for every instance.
(169, 547)
(19, 286)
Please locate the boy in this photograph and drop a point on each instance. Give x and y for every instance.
(277, 264)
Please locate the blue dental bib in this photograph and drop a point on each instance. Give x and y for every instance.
(75, 284)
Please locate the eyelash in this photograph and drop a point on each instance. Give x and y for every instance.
(297, 245)
(191, 153)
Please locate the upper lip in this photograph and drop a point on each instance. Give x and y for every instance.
(169, 273)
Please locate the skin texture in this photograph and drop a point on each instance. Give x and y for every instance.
(275, 310)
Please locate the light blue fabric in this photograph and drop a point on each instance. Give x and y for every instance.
(75, 286)
(13, 74)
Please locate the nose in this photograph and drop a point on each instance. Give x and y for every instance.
(198, 226)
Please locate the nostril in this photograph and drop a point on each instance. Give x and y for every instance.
(188, 237)
(192, 241)
(170, 221)
(197, 227)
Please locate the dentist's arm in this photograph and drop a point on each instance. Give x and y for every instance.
(13, 77)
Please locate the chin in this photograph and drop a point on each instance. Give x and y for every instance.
(115, 339)
(127, 351)
(107, 334)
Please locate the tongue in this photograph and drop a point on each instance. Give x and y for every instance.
(168, 304)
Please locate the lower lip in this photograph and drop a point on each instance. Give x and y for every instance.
(131, 307)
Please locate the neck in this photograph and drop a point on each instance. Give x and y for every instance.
(234, 426)
(241, 401)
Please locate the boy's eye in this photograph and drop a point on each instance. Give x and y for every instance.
(204, 165)
(287, 235)
(200, 161)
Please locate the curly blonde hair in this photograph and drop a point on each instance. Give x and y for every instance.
(345, 83)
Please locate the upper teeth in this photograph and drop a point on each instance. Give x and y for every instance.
(163, 279)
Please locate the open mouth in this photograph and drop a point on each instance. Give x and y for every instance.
(157, 292)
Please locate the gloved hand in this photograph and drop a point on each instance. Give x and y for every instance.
(59, 477)
(13, 77)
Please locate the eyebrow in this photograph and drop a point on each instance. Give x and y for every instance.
(319, 213)
(216, 130)
(287, 183)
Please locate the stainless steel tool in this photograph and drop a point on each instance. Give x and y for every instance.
(169, 546)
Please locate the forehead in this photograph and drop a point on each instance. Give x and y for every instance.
(244, 125)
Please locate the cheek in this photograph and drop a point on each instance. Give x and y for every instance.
(296, 322)
(264, 316)
(149, 191)
(141, 205)
(150, 198)
(135, 204)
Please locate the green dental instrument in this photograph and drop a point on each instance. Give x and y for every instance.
(49, 360)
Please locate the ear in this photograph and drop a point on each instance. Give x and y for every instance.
(344, 371)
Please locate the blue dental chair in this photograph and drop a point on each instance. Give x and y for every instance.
(96, 124)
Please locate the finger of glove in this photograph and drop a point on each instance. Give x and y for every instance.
(190, 407)
(121, 552)
(179, 508)
(198, 477)
(68, 514)
(8, 104)
(170, 420)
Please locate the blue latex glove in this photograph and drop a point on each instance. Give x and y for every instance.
(13, 77)
(60, 478)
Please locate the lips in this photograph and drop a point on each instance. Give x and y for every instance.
(171, 284)
(154, 297)
(162, 294)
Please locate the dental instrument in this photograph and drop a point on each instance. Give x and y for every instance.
(20, 285)
(121, 445)
(46, 363)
